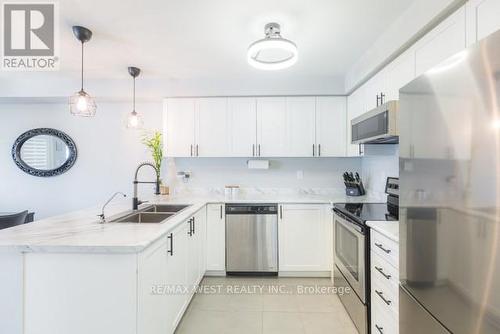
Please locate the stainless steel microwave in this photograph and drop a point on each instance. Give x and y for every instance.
(378, 126)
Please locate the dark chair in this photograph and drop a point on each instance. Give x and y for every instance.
(15, 219)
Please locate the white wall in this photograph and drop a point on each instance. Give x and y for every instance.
(107, 156)
(317, 173)
(379, 163)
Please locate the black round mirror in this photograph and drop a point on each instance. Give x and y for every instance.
(44, 152)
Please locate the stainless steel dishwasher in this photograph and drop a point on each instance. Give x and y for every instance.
(252, 239)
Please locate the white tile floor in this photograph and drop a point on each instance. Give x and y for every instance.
(264, 310)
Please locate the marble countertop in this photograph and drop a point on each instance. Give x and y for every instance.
(81, 232)
(388, 228)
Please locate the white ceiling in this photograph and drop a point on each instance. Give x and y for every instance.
(185, 41)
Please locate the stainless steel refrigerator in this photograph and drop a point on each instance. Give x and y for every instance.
(450, 195)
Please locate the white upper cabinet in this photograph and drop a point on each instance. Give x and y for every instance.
(301, 126)
(444, 41)
(355, 107)
(243, 126)
(482, 19)
(399, 73)
(375, 91)
(255, 127)
(212, 128)
(179, 125)
(331, 129)
(272, 136)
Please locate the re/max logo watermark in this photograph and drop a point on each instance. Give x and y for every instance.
(30, 36)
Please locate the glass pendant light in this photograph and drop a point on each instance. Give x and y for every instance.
(134, 120)
(81, 103)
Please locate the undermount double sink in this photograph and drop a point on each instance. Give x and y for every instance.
(156, 213)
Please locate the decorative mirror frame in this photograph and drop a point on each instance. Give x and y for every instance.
(16, 152)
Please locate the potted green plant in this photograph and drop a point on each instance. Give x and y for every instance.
(155, 145)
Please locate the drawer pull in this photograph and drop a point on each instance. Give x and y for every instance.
(380, 329)
(382, 248)
(171, 251)
(381, 271)
(381, 295)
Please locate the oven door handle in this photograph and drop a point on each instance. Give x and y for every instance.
(350, 226)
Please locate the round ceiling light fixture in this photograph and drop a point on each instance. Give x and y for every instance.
(272, 52)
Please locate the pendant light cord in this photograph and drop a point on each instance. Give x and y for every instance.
(134, 96)
(82, 66)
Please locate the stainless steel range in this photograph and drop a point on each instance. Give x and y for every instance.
(352, 260)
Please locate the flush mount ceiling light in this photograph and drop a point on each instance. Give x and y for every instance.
(134, 120)
(272, 52)
(81, 103)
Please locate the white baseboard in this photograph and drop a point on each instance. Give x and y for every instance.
(304, 273)
(215, 273)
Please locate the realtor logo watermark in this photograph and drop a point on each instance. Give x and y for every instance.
(30, 33)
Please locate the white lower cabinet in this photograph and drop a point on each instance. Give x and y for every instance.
(168, 272)
(176, 276)
(216, 238)
(304, 237)
(152, 307)
(384, 273)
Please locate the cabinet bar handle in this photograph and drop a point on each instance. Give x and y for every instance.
(319, 150)
(171, 251)
(191, 149)
(221, 211)
(314, 152)
(382, 248)
(359, 149)
(380, 329)
(281, 212)
(197, 154)
(194, 226)
(381, 295)
(382, 272)
(259, 150)
(253, 150)
(190, 232)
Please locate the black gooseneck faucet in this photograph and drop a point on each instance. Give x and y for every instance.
(135, 201)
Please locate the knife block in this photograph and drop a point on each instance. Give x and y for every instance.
(354, 191)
